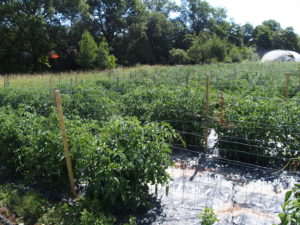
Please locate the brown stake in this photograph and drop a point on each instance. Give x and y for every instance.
(206, 112)
(65, 141)
(287, 82)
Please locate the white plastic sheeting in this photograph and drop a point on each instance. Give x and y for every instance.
(281, 56)
(237, 197)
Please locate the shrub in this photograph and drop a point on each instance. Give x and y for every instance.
(208, 217)
(178, 56)
(128, 157)
(180, 107)
(91, 103)
(206, 49)
(32, 148)
(116, 161)
(259, 131)
(39, 99)
(86, 102)
(29, 207)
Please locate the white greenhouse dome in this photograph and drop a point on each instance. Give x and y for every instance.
(281, 56)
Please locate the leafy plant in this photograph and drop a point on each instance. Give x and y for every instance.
(88, 51)
(127, 158)
(291, 207)
(29, 207)
(208, 217)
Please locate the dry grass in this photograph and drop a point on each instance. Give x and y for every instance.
(43, 80)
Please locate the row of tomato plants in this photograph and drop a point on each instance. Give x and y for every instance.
(114, 160)
(254, 127)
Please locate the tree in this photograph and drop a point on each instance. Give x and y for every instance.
(206, 49)
(201, 16)
(235, 34)
(88, 51)
(114, 18)
(263, 37)
(272, 24)
(32, 29)
(159, 34)
(248, 34)
(178, 56)
(104, 59)
(161, 6)
(285, 39)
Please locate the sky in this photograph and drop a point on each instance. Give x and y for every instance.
(256, 11)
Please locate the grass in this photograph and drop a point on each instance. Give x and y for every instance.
(163, 73)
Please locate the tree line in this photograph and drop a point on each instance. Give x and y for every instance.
(60, 35)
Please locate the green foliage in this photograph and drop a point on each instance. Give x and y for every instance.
(32, 146)
(129, 156)
(135, 31)
(291, 207)
(178, 56)
(116, 161)
(208, 217)
(31, 208)
(239, 54)
(88, 50)
(261, 132)
(206, 49)
(91, 55)
(104, 59)
(163, 103)
(86, 102)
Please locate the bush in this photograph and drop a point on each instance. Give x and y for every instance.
(116, 161)
(259, 131)
(92, 103)
(31, 147)
(39, 99)
(127, 158)
(239, 54)
(180, 107)
(208, 217)
(29, 207)
(86, 102)
(178, 56)
(206, 49)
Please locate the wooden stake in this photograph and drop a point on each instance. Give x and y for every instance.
(287, 82)
(206, 113)
(51, 83)
(71, 85)
(65, 141)
(6, 81)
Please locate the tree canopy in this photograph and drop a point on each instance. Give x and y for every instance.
(127, 32)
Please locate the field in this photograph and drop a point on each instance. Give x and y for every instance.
(124, 126)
